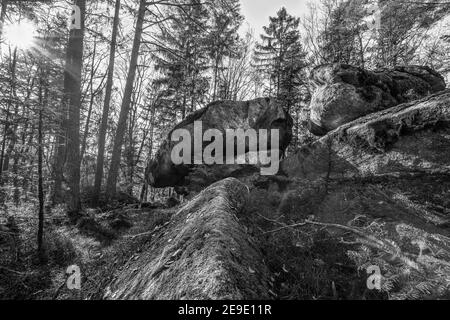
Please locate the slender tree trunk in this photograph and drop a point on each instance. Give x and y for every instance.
(104, 122)
(40, 178)
(72, 90)
(23, 149)
(4, 6)
(86, 128)
(7, 131)
(59, 158)
(131, 157)
(216, 75)
(91, 103)
(2, 156)
(124, 110)
(5, 134)
(11, 132)
(183, 110)
(144, 189)
(129, 154)
(27, 178)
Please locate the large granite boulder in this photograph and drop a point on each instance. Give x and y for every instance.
(407, 139)
(256, 114)
(344, 93)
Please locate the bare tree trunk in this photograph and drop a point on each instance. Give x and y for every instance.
(131, 157)
(5, 134)
(57, 194)
(40, 234)
(216, 75)
(11, 132)
(93, 93)
(86, 128)
(7, 131)
(72, 90)
(2, 17)
(124, 110)
(144, 189)
(104, 123)
(59, 158)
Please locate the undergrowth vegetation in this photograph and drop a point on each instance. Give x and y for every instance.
(102, 240)
(24, 274)
(414, 264)
(318, 242)
(305, 263)
(312, 258)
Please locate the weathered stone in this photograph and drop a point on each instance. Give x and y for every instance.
(344, 93)
(205, 253)
(409, 138)
(256, 114)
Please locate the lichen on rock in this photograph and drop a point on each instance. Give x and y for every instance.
(344, 93)
(221, 115)
(408, 138)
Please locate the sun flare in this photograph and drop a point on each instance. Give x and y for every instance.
(20, 35)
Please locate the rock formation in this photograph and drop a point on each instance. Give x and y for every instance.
(344, 93)
(409, 138)
(256, 114)
(381, 180)
(205, 254)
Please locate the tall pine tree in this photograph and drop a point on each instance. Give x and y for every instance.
(182, 58)
(280, 56)
(223, 40)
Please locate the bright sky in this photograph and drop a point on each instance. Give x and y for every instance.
(257, 12)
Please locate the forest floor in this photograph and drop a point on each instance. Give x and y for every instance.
(101, 243)
(319, 238)
(310, 236)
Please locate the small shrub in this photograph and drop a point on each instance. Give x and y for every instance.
(59, 248)
(91, 227)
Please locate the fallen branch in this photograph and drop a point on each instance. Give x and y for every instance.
(139, 235)
(270, 220)
(16, 272)
(286, 227)
(57, 292)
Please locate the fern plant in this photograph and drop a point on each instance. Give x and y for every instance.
(414, 264)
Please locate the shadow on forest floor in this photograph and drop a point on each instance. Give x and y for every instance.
(99, 243)
(401, 226)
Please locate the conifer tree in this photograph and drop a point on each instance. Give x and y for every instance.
(223, 40)
(183, 59)
(280, 56)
